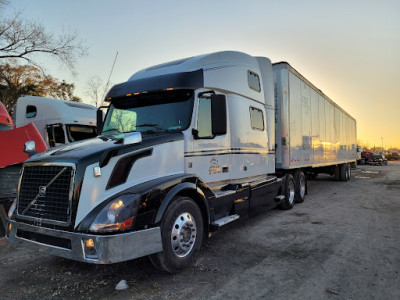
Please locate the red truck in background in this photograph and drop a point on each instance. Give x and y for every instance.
(363, 156)
(12, 154)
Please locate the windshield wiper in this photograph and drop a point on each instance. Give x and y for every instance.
(156, 126)
(109, 130)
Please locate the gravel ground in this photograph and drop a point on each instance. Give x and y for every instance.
(341, 243)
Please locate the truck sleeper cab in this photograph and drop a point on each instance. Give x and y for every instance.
(59, 122)
(186, 147)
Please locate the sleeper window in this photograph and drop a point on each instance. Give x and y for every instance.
(256, 119)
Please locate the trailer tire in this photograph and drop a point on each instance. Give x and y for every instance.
(288, 192)
(300, 187)
(344, 172)
(181, 235)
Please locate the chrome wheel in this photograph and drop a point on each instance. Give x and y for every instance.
(291, 192)
(302, 187)
(183, 234)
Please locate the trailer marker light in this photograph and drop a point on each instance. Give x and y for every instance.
(170, 89)
(136, 94)
(128, 95)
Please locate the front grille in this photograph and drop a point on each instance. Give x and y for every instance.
(45, 193)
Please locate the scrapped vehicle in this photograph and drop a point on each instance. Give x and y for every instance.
(378, 160)
(186, 148)
(16, 147)
(58, 121)
(366, 156)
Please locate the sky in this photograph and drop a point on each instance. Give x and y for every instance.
(348, 49)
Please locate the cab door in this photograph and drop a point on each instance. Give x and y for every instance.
(210, 156)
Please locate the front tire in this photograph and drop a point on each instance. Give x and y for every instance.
(181, 234)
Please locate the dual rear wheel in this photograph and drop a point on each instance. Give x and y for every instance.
(294, 189)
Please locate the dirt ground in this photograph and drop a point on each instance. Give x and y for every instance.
(343, 242)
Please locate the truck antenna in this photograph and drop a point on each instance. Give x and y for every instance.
(109, 76)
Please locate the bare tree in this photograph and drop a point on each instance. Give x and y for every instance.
(96, 90)
(24, 40)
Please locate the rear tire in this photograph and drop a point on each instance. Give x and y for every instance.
(344, 172)
(288, 192)
(181, 234)
(300, 187)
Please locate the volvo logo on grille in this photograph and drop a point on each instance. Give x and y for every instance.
(42, 191)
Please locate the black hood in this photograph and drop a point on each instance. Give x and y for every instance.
(102, 148)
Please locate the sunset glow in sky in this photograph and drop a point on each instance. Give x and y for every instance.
(348, 49)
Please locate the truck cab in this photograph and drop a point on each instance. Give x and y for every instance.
(186, 147)
(59, 122)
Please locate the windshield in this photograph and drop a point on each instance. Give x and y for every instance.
(80, 132)
(4, 127)
(163, 111)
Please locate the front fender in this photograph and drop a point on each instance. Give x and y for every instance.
(155, 196)
(184, 188)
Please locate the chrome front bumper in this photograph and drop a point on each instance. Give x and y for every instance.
(98, 249)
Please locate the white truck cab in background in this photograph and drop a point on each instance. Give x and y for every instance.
(58, 121)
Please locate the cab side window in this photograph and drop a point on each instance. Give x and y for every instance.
(256, 118)
(204, 118)
(31, 111)
(55, 135)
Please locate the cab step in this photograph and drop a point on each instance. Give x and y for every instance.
(225, 220)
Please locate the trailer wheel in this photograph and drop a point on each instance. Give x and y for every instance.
(288, 192)
(300, 187)
(181, 235)
(344, 172)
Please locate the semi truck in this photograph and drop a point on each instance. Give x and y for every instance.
(185, 148)
(58, 121)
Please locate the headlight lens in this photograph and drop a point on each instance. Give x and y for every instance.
(117, 215)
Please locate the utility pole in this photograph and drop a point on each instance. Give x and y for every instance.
(382, 143)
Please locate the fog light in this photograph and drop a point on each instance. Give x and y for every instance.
(9, 230)
(89, 248)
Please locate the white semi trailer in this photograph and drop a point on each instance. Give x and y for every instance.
(185, 148)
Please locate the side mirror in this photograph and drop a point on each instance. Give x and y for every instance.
(99, 120)
(30, 148)
(218, 114)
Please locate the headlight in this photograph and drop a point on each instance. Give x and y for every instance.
(12, 209)
(117, 215)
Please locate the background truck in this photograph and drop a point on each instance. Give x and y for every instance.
(58, 121)
(185, 148)
(12, 154)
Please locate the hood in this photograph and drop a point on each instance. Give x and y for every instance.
(12, 144)
(102, 148)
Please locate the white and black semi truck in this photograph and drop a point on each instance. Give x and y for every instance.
(185, 148)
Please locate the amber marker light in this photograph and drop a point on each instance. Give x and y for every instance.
(136, 94)
(89, 243)
(128, 95)
(170, 89)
